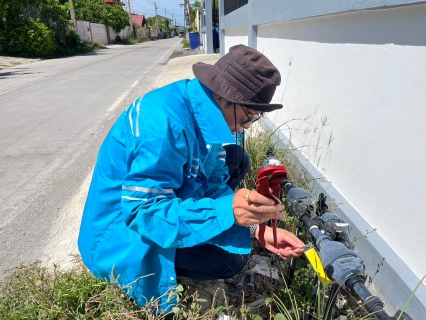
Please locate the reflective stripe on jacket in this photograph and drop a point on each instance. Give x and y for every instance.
(160, 184)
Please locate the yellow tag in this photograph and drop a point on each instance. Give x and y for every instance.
(316, 263)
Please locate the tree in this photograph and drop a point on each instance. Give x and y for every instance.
(152, 22)
(97, 11)
(53, 13)
(119, 18)
(24, 24)
(194, 8)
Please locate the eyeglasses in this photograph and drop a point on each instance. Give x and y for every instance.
(250, 120)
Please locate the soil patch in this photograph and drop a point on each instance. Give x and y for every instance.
(10, 62)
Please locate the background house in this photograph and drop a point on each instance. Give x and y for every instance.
(139, 20)
(114, 2)
(358, 69)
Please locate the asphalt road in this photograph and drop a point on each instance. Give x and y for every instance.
(53, 116)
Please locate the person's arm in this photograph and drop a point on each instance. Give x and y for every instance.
(151, 192)
(217, 186)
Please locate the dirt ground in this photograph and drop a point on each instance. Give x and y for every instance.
(9, 62)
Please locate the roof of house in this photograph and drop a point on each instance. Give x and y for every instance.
(114, 1)
(139, 19)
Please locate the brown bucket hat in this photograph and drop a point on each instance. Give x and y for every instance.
(243, 76)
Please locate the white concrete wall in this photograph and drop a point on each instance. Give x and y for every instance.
(234, 37)
(366, 72)
(99, 34)
(83, 30)
(124, 34)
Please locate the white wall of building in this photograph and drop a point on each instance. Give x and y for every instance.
(373, 92)
(234, 37)
(363, 73)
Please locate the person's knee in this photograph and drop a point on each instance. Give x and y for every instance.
(239, 264)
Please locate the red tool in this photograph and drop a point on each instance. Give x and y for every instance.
(269, 185)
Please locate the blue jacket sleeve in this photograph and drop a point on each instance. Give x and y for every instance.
(217, 186)
(237, 238)
(153, 190)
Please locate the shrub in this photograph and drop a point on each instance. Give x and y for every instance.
(70, 43)
(29, 38)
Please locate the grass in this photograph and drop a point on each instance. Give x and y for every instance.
(131, 40)
(185, 43)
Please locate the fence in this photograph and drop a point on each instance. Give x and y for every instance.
(99, 33)
(102, 34)
(123, 34)
(142, 32)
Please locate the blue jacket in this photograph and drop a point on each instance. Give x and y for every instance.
(160, 184)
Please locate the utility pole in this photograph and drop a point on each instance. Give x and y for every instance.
(187, 15)
(130, 17)
(182, 5)
(72, 13)
(156, 16)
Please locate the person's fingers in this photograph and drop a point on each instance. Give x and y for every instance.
(251, 207)
(264, 217)
(290, 238)
(257, 198)
(288, 253)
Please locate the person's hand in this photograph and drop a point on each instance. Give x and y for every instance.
(288, 245)
(251, 208)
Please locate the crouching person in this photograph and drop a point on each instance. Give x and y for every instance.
(162, 202)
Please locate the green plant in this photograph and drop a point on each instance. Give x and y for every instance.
(185, 43)
(97, 11)
(34, 21)
(365, 235)
(132, 40)
(30, 39)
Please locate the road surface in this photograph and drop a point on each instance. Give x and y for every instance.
(53, 116)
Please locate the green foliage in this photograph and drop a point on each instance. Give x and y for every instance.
(130, 40)
(97, 11)
(91, 10)
(185, 43)
(21, 28)
(152, 22)
(35, 292)
(53, 13)
(194, 7)
(118, 18)
(29, 39)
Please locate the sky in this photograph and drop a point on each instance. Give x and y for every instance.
(147, 8)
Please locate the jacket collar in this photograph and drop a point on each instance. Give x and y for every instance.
(208, 115)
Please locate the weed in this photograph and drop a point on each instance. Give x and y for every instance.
(185, 43)
(131, 40)
(365, 235)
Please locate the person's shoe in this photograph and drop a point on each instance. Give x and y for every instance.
(203, 295)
